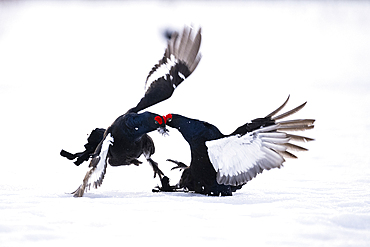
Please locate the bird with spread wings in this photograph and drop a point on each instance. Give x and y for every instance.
(126, 139)
(221, 164)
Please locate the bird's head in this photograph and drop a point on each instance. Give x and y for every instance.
(145, 122)
(160, 121)
(168, 120)
(178, 122)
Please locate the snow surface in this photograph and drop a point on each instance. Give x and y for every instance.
(69, 67)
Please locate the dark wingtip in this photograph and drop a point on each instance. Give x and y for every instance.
(279, 108)
(288, 113)
(79, 192)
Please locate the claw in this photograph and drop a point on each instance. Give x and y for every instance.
(179, 164)
(159, 172)
(155, 168)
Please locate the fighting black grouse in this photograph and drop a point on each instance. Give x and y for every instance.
(221, 164)
(126, 139)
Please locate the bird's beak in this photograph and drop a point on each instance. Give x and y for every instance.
(163, 130)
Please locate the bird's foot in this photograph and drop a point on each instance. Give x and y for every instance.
(179, 164)
(158, 172)
(156, 169)
(166, 187)
(220, 190)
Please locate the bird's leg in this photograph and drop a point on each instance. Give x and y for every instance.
(166, 187)
(220, 190)
(155, 168)
(165, 181)
(179, 164)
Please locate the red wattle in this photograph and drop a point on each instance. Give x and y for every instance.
(168, 116)
(158, 119)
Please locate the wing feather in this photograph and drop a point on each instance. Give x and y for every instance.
(238, 159)
(179, 61)
(300, 138)
(94, 177)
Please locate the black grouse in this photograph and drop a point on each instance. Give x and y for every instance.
(126, 139)
(221, 164)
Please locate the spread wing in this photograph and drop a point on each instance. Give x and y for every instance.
(239, 158)
(179, 61)
(94, 177)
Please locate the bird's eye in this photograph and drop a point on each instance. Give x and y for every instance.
(169, 120)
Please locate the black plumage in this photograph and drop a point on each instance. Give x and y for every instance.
(93, 141)
(122, 144)
(126, 139)
(221, 164)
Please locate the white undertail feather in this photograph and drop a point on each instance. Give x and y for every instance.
(94, 177)
(181, 47)
(238, 159)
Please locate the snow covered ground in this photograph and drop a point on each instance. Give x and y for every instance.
(69, 67)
